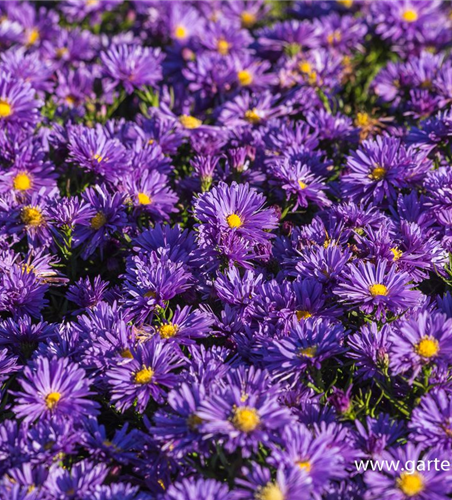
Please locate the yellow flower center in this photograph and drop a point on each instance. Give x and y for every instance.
(52, 399)
(143, 199)
(397, 253)
(150, 294)
(22, 182)
(126, 354)
(98, 221)
(305, 465)
(302, 184)
(345, 3)
(362, 120)
(70, 100)
(305, 67)
(194, 421)
(33, 36)
(234, 221)
(31, 216)
(61, 52)
(378, 289)
(98, 157)
(334, 37)
(180, 32)
(144, 376)
(168, 331)
(270, 491)
(248, 19)
(309, 352)
(378, 173)
(303, 315)
(223, 47)
(427, 347)
(245, 78)
(245, 419)
(252, 116)
(410, 484)
(189, 122)
(5, 109)
(410, 16)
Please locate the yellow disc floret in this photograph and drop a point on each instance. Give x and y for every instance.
(396, 253)
(427, 347)
(378, 289)
(410, 16)
(223, 47)
(252, 116)
(270, 491)
(245, 78)
(245, 419)
(180, 32)
(305, 465)
(302, 184)
(22, 182)
(308, 352)
(33, 36)
(5, 108)
(144, 199)
(234, 221)
(98, 221)
(52, 400)
(378, 173)
(167, 331)
(144, 376)
(362, 120)
(32, 216)
(303, 315)
(410, 484)
(248, 19)
(189, 122)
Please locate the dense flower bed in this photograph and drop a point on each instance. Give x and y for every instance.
(225, 231)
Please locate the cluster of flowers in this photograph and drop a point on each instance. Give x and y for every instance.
(225, 230)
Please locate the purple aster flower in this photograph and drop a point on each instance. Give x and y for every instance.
(376, 170)
(288, 485)
(145, 375)
(151, 282)
(86, 294)
(94, 151)
(194, 489)
(308, 343)
(405, 484)
(236, 208)
(177, 427)
(370, 350)
(149, 192)
(21, 291)
(224, 39)
(378, 434)
(105, 217)
(377, 289)
(54, 388)
(319, 457)
(425, 339)
(431, 420)
(132, 66)
(239, 419)
(342, 33)
(297, 179)
(78, 481)
(408, 23)
(18, 105)
(186, 325)
(21, 336)
(290, 36)
(248, 110)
